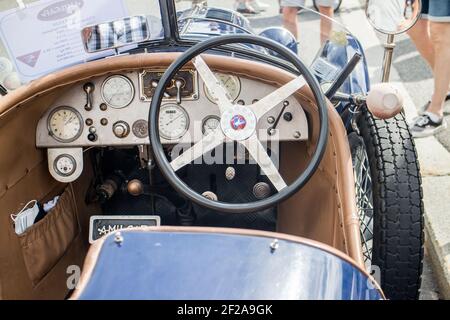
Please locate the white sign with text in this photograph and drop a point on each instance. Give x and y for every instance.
(45, 36)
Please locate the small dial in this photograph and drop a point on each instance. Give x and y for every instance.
(65, 165)
(118, 91)
(65, 124)
(173, 122)
(210, 124)
(140, 129)
(230, 83)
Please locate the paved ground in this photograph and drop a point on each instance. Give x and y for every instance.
(429, 290)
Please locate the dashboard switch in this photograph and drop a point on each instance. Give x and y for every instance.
(179, 85)
(121, 129)
(88, 89)
(288, 116)
(92, 137)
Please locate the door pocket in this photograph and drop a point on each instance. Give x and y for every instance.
(44, 243)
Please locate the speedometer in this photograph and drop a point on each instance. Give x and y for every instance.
(173, 122)
(65, 124)
(230, 83)
(117, 91)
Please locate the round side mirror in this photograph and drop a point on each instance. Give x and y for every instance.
(393, 16)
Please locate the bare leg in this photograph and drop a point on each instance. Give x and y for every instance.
(325, 24)
(420, 35)
(290, 20)
(440, 36)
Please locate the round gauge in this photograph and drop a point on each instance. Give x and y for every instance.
(231, 83)
(65, 124)
(140, 129)
(173, 122)
(117, 91)
(65, 165)
(210, 124)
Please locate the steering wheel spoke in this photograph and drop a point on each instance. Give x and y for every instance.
(206, 144)
(260, 155)
(213, 84)
(238, 124)
(270, 101)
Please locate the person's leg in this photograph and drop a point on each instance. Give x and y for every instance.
(327, 11)
(326, 25)
(290, 20)
(420, 35)
(432, 121)
(440, 36)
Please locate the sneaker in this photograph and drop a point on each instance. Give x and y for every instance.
(258, 5)
(245, 9)
(427, 124)
(424, 108)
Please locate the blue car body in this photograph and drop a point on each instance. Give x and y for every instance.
(241, 267)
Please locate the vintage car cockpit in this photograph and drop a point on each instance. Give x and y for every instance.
(235, 128)
(181, 126)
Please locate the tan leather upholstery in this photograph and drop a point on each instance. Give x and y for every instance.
(324, 210)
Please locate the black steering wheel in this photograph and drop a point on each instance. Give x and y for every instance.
(238, 123)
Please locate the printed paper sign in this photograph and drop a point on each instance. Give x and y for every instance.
(45, 36)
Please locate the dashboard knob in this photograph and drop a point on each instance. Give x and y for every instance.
(92, 137)
(121, 129)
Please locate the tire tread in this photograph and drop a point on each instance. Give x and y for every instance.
(398, 206)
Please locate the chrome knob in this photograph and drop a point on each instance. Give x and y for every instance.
(121, 129)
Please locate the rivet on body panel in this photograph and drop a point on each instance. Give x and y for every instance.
(118, 238)
(274, 245)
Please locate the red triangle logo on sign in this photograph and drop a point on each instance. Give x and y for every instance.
(30, 59)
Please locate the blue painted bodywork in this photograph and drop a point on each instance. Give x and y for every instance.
(282, 36)
(187, 265)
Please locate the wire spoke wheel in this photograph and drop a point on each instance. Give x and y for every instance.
(364, 200)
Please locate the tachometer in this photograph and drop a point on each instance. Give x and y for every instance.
(231, 83)
(65, 124)
(117, 91)
(173, 122)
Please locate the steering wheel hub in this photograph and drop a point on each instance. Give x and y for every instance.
(238, 123)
